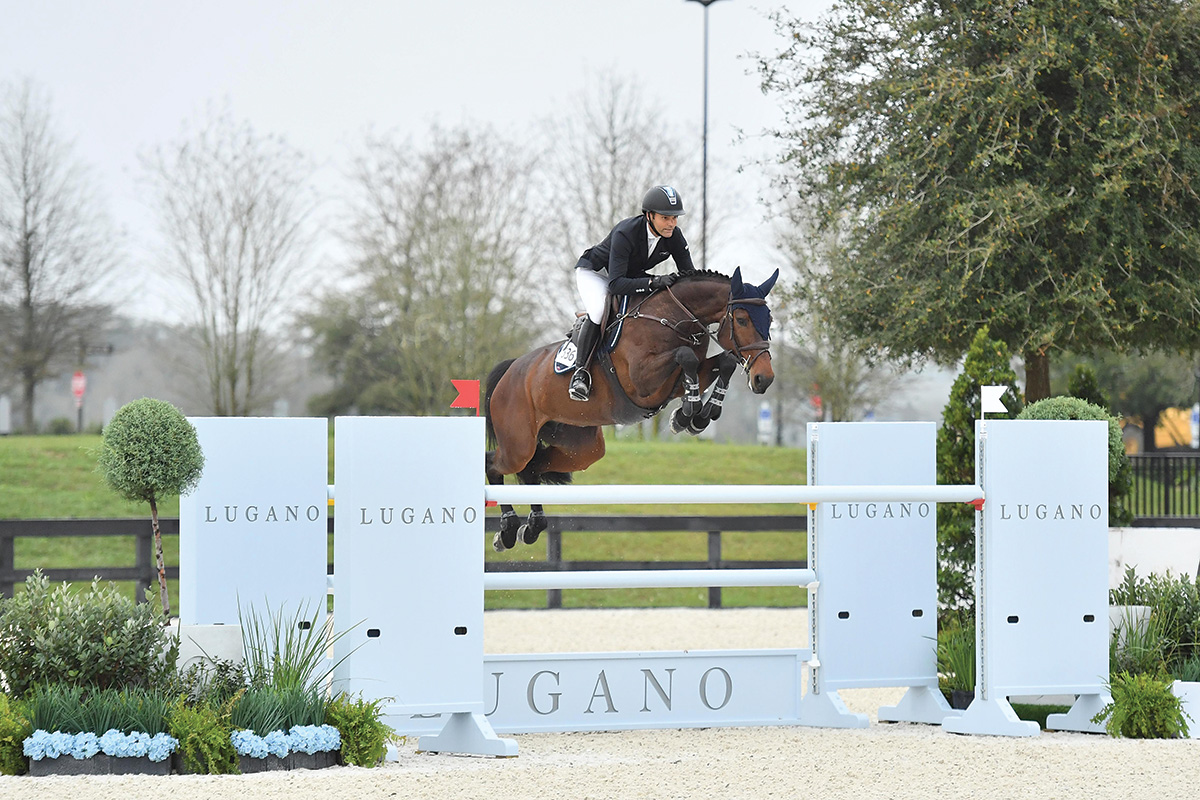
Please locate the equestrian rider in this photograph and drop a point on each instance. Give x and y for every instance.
(618, 266)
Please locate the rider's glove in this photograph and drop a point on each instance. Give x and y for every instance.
(662, 281)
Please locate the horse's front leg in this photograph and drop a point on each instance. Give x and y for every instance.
(689, 363)
(726, 365)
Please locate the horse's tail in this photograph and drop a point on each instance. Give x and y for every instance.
(492, 379)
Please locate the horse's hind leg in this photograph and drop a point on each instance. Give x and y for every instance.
(506, 537)
(534, 524)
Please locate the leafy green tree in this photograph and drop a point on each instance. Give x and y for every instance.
(1084, 385)
(150, 450)
(1029, 166)
(1142, 385)
(986, 364)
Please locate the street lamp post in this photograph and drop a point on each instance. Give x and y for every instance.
(704, 149)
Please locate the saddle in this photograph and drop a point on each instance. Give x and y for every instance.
(564, 358)
(624, 411)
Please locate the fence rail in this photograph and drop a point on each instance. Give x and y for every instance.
(1166, 489)
(143, 571)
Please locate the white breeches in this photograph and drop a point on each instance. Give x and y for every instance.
(593, 289)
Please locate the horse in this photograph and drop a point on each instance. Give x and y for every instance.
(655, 350)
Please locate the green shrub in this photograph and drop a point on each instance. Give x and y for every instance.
(986, 364)
(15, 726)
(212, 682)
(96, 638)
(1143, 707)
(203, 731)
(364, 735)
(1174, 603)
(60, 426)
(1120, 471)
(149, 451)
(1083, 384)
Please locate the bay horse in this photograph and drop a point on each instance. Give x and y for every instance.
(655, 349)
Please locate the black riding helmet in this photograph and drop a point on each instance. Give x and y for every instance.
(663, 200)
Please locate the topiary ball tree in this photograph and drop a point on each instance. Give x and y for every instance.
(1120, 473)
(150, 451)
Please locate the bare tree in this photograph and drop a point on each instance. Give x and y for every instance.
(448, 268)
(234, 209)
(606, 150)
(823, 367)
(58, 249)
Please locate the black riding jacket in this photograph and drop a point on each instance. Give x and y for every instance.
(623, 254)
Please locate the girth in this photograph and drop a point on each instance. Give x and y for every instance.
(624, 410)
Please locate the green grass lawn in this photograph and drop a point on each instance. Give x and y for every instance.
(44, 477)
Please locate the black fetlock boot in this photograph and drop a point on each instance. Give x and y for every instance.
(581, 380)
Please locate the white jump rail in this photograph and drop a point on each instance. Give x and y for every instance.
(745, 493)
(648, 579)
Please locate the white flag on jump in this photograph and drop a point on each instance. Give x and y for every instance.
(989, 400)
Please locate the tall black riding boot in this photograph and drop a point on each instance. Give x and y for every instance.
(581, 381)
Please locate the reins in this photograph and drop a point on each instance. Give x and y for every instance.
(696, 339)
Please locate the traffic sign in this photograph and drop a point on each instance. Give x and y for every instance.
(78, 386)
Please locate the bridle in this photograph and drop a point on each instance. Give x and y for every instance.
(697, 339)
(761, 346)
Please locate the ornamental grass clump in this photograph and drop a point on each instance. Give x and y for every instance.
(96, 638)
(150, 451)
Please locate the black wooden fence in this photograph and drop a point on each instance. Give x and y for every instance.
(1165, 490)
(144, 573)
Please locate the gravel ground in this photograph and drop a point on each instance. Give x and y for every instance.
(895, 761)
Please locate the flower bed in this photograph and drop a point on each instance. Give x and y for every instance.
(113, 752)
(303, 747)
(58, 753)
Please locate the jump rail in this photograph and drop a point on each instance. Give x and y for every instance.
(746, 493)
(649, 579)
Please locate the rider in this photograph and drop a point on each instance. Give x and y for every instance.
(618, 266)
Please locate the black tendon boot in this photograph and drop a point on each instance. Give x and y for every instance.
(581, 381)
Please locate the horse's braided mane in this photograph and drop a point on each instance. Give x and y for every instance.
(706, 275)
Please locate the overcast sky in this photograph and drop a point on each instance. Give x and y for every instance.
(124, 75)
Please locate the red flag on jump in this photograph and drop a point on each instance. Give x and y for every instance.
(468, 395)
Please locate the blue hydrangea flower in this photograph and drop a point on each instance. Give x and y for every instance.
(314, 739)
(85, 745)
(277, 743)
(248, 743)
(111, 742)
(37, 745)
(161, 746)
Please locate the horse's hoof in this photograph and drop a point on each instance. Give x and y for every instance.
(697, 425)
(679, 422)
(507, 537)
(498, 543)
(529, 534)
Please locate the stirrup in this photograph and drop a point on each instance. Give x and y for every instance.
(581, 385)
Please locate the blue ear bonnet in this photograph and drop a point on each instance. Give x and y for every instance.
(760, 315)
